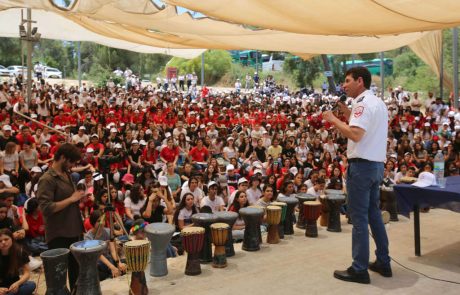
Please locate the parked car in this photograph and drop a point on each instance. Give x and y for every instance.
(16, 70)
(4, 71)
(52, 73)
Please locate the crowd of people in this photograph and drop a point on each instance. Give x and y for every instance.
(170, 152)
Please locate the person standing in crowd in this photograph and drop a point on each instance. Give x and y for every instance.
(58, 200)
(367, 140)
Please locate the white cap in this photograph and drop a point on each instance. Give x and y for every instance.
(211, 183)
(257, 171)
(293, 170)
(36, 169)
(90, 150)
(427, 124)
(95, 135)
(242, 180)
(230, 167)
(202, 126)
(58, 127)
(82, 128)
(230, 138)
(113, 130)
(168, 134)
(292, 125)
(257, 164)
(425, 179)
(163, 180)
(142, 142)
(118, 146)
(6, 180)
(97, 176)
(7, 128)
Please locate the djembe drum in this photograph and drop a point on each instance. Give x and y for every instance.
(251, 217)
(303, 197)
(55, 263)
(312, 210)
(261, 221)
(205, 220)
(283, 207)
(192, 241)
(137, 258)
(389, 203)
(335, 199)
(159, 235)
(291, 202)
(324, 218)
(87, 253)
(219, 234)
(229, 218)
(273, 219)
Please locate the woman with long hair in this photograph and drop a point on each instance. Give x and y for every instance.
(133, 204)
(185, 210)
(240, 201)
(9, 162)
(14, 266)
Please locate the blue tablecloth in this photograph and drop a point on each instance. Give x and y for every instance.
(431, 196)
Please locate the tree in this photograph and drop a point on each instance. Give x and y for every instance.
(10, 51)
(303, 71)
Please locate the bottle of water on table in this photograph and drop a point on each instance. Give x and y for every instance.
(439, 169)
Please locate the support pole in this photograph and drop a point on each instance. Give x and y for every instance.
(441, 66)
(29, 55)
(455, 64)
(79, 63)
(382, 75)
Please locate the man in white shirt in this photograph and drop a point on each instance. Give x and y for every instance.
(81, 136)
(367, 142)
(213, 201)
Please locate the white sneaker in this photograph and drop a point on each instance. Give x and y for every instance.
(385, 217)
(34, 263)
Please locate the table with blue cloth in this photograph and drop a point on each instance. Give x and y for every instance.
(411, 198)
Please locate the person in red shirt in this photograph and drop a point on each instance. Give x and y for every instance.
(170, 153)
(35, 235)
(96, 146)
(25, 136)
(199, 155)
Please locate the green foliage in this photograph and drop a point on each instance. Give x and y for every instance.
(304, 72)
(10, 51)
(216, 64)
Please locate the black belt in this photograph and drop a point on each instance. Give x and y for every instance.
(358, 160)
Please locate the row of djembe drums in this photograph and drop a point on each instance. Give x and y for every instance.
(208, 229)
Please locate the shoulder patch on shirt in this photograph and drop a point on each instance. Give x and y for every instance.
(358, 111)
(360, 99)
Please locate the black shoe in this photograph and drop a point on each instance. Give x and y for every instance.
(382, 270)
(351, 275)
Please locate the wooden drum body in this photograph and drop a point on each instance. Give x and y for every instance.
(291, 202)
(192, 241)
(251, 217)
(273, 220)
(303, 197)
(137, 258)
(159, 235)
(389, 203)
(219, 233)
(229, 218)
(283, 207)
(312, 210)
(205, 220)
(87, 254)
(334, 201)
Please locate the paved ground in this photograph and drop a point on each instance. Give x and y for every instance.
(301, 265)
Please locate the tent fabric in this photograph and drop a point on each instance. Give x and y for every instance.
(332, 17)
(104, 22)
(429, 50)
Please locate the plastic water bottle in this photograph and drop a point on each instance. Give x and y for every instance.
(439, 169)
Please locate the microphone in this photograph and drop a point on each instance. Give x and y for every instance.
(343, 98)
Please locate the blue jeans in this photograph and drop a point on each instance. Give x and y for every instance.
(363, 180)
(27, 288)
